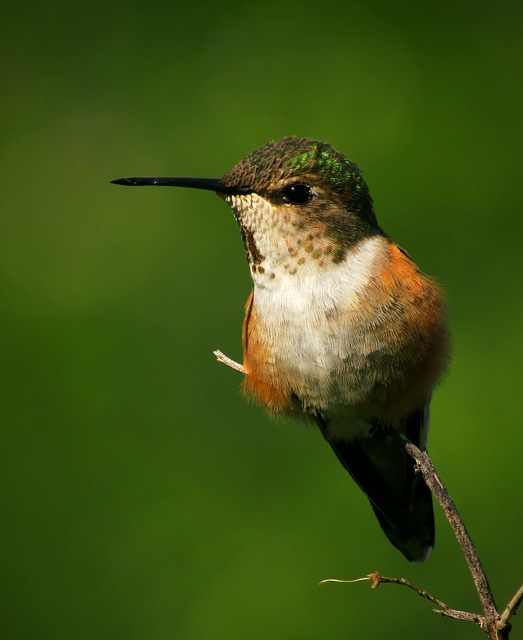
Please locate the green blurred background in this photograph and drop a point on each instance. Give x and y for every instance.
(141, 496)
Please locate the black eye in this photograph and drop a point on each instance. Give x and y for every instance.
(297, 193)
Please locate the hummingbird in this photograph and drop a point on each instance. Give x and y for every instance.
(341, 328)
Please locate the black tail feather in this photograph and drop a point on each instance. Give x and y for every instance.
(399, 497)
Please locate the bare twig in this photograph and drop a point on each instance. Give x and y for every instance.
(221, 357)
(510, 610)
(444, 609)
(425, 466)
(496, 626)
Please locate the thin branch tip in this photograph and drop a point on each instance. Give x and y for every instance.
(340, 581)
(511, 609)
(228, 362)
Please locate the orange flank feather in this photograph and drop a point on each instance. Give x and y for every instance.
(256, 356)
(424, 336)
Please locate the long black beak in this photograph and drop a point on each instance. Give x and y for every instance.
(209, 184)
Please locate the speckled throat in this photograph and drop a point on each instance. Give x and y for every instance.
(281, 239)
(274, 242)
